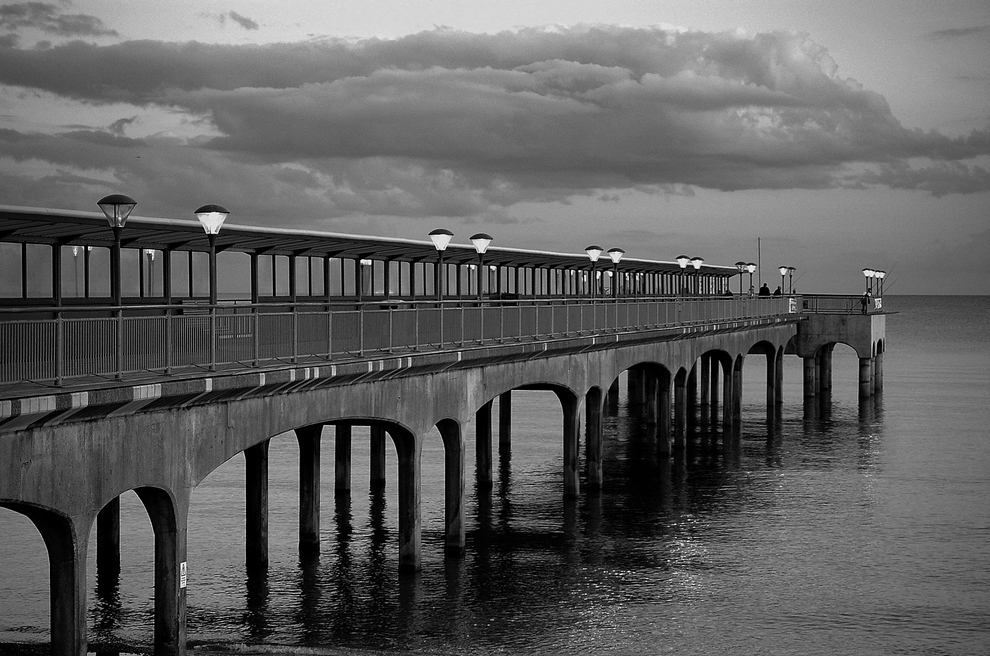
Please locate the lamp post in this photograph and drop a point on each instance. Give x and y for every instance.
(868, 273)
(751, 269)
(682, 261)
(440, 238)
(481, 242)
(116, 207)
(790, 280)
(696, 262)
(616, 255)
(150, 254)
(741, 268)
(879, 275)
(211, 217)
(75, 267)
(594, 252)
(783, 272)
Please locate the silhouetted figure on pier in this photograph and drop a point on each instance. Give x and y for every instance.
(764, 290)
(778, 291)
(865, 301)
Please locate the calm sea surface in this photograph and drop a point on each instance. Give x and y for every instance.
(859, 529)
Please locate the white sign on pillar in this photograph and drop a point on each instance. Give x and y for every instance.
(182, 574)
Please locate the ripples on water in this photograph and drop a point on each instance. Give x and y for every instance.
(860, 530)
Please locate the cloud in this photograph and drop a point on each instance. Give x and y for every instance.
(243, 21)
(48, 18)
(959, 32)
(448, 123)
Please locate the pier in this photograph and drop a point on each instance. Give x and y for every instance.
(126, 366)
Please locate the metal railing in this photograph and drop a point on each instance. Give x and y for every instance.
(54, 344)
(838, 304)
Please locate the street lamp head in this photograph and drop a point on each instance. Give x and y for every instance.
(682, 261)
(791, 270)
(75, 251)
(783, 270)
(616, 254)
(751, 267)
(481, 242)
(696, 262)
(211, 217)
(868, 273)
(879, 274)
(117, 207)
(440, 238)
(150, 252)
(740, 266)
(594, 252)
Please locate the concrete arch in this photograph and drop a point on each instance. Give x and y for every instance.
(66, 541)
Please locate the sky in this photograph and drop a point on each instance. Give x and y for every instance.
(828, 136)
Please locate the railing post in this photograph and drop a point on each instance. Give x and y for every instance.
(256, 335)
(119, 346)
(59, 343)
(295, 330)
(168, 340)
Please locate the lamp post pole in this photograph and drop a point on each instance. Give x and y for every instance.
(75, 267)
(211, 217)
(481, 242)
(117, 207)
(696, 262)
(751, 269)
(783, 272)
(150, 253)
(440, 238)
(868, 274)
(616, 255)
(594, 252)
(880, 275)
(682, 261)
(741, 268)
(790, 280)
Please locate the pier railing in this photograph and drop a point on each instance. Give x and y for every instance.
(57, 344)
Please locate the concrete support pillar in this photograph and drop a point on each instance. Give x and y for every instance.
(692, 394)
(664, 432)
(728, 409)
(169, 521)
(593, 438)
(572, 482)
(454, 496)
(634, 378)
(779, 378)
(409, 448)
(865, 377)
(650, 398)
(706, 378)
(878, 372)
(680, 408)
(612, 398)
(504, 420)
(771, 385)
(714, 400)
(737, 391)
(825, 370)
(309, 487)
(810, 383)
(342, 460)
(483, 444)
(256, 508)
(377, 456)
(108, 545)
(66, 541)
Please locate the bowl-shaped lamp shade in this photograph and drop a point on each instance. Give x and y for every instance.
(616, 254)
(594, 252)
(696, 262)
(683, 261)
(740, 266)
(211, 217)
(440, 238)
(117, 207)
(751, 267)
(868, 273)
(481, 242)
(783, 270)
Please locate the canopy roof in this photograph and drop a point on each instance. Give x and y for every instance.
(75, 228)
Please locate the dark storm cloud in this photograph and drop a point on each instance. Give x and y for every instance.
(455, 124)
(50, 19)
